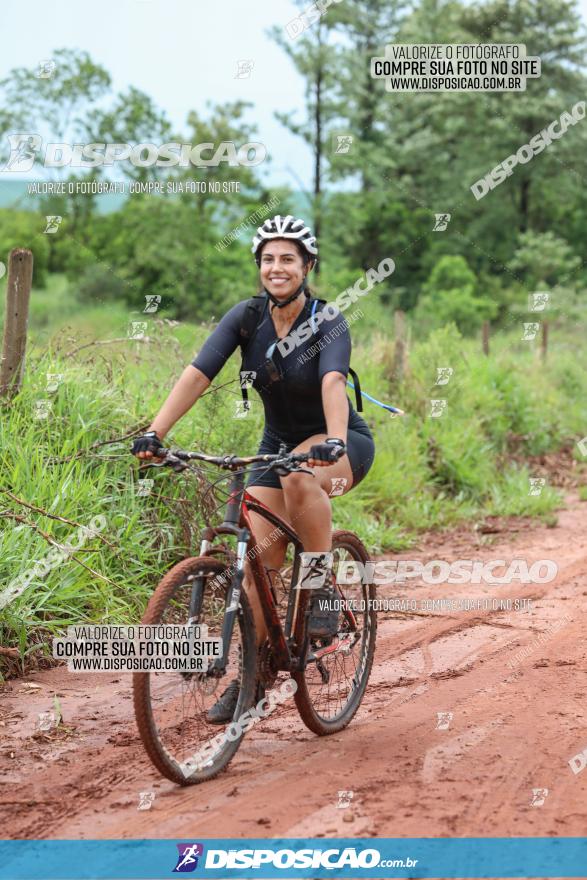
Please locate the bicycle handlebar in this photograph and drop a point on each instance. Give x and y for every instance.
(174, 457)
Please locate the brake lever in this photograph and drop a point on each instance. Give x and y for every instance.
(169, 461)
(180, 466)
(283, 470)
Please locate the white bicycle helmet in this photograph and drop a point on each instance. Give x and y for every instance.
(285, 227)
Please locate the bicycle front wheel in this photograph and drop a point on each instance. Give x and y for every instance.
(171, 707)
(332, 685)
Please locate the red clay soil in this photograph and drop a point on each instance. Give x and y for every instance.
(511, 731)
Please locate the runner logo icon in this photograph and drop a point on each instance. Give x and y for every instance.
(187, 860)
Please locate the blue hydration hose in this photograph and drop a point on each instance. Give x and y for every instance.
(387, 406)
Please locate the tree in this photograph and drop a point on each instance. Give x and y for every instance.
(133, 118)
(365, 27)
(157, 246)
(57, 105)
(314, 57)
(439, 144)
(21, 229)
(552, 30)
(545, 259)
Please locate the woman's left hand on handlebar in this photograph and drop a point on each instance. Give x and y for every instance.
(326, 453)
(147, 446)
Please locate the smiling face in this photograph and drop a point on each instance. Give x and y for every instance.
(282, 267)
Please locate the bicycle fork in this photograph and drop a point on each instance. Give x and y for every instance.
(232, 597)
(230, 526)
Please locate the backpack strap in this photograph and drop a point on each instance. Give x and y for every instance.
(251, 319)
(315, 304)
(250, 323)
(357, 384)
(247, 330)
(357, 387)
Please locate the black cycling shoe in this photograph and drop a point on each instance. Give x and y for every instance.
(323, 620)
(223, 709)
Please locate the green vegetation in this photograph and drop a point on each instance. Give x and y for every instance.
(428, 473)
(412, 156)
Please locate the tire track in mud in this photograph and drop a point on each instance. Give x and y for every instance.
(513, 729)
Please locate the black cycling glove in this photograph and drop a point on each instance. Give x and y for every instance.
(148, 442)
(331, 450)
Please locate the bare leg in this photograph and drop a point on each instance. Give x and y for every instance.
(303, 502)
(307, 498)
(271, 556)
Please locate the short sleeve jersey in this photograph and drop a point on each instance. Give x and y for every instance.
(293, 401)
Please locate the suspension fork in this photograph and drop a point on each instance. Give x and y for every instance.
(231, 525)
(197, 594)
(233, 593)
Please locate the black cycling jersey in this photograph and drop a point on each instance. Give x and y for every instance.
(292, 403)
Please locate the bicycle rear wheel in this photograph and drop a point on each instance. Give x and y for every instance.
(332, 685)
(171, 707)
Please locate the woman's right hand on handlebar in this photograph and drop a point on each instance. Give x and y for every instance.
(147, 445)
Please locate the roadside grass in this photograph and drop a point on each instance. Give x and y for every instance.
(428, 473)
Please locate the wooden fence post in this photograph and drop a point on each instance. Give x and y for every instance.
(544, 345)
(486, 337)
(400, 348)
(18, 294)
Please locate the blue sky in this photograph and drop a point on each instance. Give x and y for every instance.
(182, 53)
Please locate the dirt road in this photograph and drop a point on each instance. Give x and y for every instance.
(410, 774)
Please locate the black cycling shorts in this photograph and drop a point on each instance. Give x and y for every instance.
(360, 450)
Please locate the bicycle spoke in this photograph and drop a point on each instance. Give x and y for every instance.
(345, 667)
(180, 702)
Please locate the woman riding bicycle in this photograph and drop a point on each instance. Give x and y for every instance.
(305, 405)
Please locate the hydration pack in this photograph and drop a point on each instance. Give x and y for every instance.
(248, 328)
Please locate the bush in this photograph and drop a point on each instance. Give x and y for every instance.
(24, 229)
(428, 472)
(449, 296)
(98, 283)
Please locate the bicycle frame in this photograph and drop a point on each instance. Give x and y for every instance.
(287, 649)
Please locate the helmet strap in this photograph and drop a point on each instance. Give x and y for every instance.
(280, 304)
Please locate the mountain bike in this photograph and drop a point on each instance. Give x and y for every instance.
(330, 674)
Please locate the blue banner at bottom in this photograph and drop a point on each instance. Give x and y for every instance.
(273, 858)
